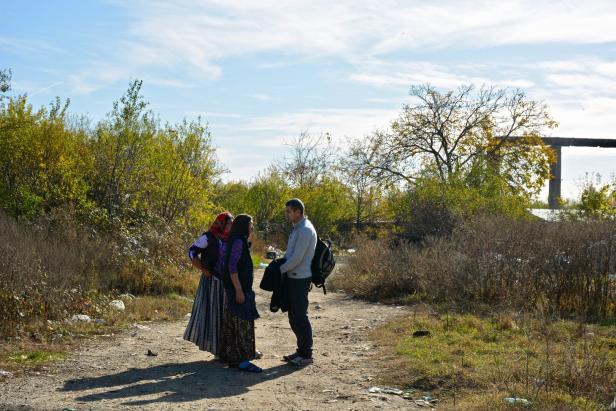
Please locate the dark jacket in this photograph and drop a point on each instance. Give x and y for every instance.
(211, 255)
(247, 310)
(245, 269)
(274, 280)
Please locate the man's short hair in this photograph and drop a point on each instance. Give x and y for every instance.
(296, 204)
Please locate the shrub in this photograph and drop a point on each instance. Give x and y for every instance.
(55, 267)
(377, 271)
(566, 267)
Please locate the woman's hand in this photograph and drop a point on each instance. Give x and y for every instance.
(206, 272)
(240, 298)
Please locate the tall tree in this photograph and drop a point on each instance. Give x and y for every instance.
(450, 133)
(267, 194)
(121, 149)
(365, 192)
(184, 168)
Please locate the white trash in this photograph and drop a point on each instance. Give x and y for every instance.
(81, 318)
(117, 305)
(517, 401)
(379, 390)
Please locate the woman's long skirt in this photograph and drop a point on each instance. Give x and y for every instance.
(237, 341)
(204, 327)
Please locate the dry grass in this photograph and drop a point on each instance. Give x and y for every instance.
(480, 361)
(377, 272)
(48, 341)
(149, 308)
(55, 268)
(566, 267)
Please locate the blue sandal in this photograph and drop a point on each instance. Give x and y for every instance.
(249, 367)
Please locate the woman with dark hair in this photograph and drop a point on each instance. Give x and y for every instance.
(206, 254)
(240, 309)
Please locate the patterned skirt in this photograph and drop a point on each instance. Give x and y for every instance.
(237, 341)
(204, 327)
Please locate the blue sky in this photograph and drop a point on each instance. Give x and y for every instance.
(261, 72)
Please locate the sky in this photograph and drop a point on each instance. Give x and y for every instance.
(262, 72)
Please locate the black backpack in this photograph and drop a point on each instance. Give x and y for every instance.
(323, 263)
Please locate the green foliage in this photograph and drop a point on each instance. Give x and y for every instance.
(233, 196)
(266, 198)
(327, 203)
(598, 202)
(108, 206)
(432, 207)
(183, 169)
(263, 198)
(122, 146)
(477, 193)
(127, 170)
(43, 163)
(461, 150)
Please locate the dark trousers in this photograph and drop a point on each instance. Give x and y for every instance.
(297, 293)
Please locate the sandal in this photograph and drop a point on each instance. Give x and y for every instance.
(249, 367)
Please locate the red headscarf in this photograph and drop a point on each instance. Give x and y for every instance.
(219, 226)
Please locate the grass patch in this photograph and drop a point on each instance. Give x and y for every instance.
(480, 361)
(256, 261)
(35, 357)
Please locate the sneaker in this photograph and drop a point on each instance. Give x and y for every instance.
(301, 361)
(290, 357)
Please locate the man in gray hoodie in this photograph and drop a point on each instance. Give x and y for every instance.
(299, 254)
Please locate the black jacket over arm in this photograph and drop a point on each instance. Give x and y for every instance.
(273, 280)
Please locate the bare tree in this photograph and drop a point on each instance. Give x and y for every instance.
(311, 158)
(447, 133)
(354, 168)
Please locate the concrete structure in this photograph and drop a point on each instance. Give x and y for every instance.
(557, 143)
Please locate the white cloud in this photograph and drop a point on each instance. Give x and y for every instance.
(202, 33)
(580, 94)
(197, 36)
(340, 123)
(402, 75)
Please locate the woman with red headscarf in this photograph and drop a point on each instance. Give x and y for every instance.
(204, 327)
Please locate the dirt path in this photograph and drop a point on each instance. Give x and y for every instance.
(114, 373)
